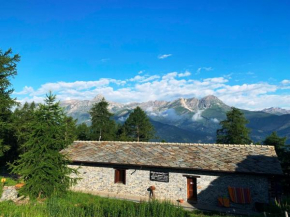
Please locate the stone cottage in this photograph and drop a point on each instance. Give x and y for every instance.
(197, 173)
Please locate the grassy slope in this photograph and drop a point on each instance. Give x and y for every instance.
(263, 124)
(174, 134)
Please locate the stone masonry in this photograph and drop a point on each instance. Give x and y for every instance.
(9, 193)
(210, 186)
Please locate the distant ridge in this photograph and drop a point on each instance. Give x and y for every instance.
(276, 111)
(189, 120)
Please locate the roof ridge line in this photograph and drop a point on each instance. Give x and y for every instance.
(179, 143)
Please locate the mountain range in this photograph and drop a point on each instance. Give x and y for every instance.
(188, 120)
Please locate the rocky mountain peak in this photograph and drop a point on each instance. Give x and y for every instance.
(98, 98)
(209, 101)
(210, 98)
(276, 111)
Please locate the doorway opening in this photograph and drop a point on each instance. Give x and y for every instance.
(191, 190)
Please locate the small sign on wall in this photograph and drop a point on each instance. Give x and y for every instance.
(159, 176)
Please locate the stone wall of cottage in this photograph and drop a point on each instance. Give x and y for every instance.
(210, 186)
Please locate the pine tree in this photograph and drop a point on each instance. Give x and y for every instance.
(7, 71)
(43, 168)
(83, 132)
(234, 130)
(103, 126)
(70, 128)
(22, 120)
(275, 140)
(138, 126)
(284, 156)
(121, 133)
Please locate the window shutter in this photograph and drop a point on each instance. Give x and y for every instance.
(116, 176)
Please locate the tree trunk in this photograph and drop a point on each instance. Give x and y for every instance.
(137, 133)
(100, 135)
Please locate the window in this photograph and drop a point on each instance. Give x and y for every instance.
(120, 176)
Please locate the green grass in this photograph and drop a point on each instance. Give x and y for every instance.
(86, 205)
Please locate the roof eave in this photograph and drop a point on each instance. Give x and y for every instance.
(178, 168)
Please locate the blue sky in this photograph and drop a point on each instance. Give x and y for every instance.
(151, 50)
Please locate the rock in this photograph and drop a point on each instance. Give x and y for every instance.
(23, 201)
(9, 193)
(18, 199)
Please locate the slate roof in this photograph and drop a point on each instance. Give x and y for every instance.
(256, 159)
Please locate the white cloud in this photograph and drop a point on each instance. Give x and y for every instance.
(136, 78)
(168, 87)
(170, 75)
(150, 78)
(139, 78)
(257, 102)
(247, 89)
(185, 74)
(285, 82)
(215, 120)
(31, 99)
(26, 90)
(163, 56)
(203, 68)
(140, 72)
(197, 116)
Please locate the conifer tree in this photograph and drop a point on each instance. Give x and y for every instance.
(234, 130)
(83, 132)
(275, 140)
(121, 133)
(70, 128)
(8, 63)
(103, 126)
(138, 126)
(283, 153)
(42, 166)
(22, 118)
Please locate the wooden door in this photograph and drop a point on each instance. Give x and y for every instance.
(191, 189)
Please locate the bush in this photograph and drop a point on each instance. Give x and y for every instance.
(278, 209)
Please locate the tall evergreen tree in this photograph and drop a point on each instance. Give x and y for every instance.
(22, 120)
(283, 153)
(8, 63)
(42, 166)
(83, 132)
(234, 130)
(103, 126)
(121, 133)
(70, 128)
(138, 126)
(275, 140)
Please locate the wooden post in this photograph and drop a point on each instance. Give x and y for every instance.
(286, 214)
(153, 195)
